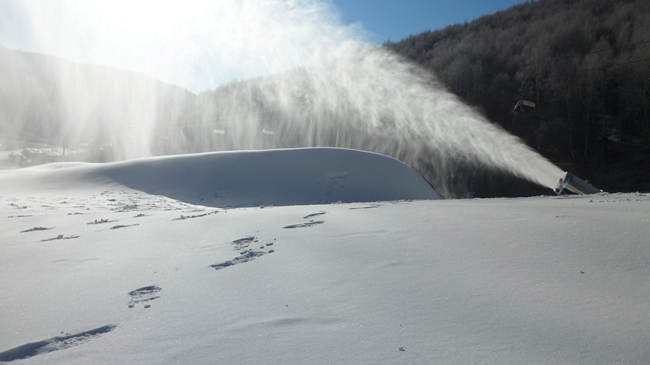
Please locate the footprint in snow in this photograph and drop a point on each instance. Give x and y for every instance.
(124, 226)
(307, 224)
(144, 295)
(184, 217)
(61, 237)
(246, 254)
(367, 207)
(53, 344)
(101, 221)
(34, 229)
(125, 208)
(313, 215)
(17, 206)
(244, 242)
(303, 225)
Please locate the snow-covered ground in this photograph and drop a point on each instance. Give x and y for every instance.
(142, 262)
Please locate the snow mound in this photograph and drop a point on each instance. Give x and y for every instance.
(245, 178)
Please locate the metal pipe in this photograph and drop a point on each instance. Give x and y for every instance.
(575, 185)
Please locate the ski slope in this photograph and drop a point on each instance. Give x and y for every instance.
(141, 262)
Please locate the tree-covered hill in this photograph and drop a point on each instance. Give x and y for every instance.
(585, 64)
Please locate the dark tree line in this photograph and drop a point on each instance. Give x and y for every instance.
(585, 64)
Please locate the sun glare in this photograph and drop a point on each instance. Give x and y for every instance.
(198, 44)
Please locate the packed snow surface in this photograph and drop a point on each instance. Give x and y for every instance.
(246, 178)
(120, 263)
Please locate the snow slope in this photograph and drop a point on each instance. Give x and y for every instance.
(245, 178)
(105, 273)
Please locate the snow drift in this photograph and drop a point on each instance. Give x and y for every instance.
(244, 178)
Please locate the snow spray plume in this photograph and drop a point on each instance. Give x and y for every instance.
(317, 83)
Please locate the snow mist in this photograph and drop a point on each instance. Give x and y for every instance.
(311, 81)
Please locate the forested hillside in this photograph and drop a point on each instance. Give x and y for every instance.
(585, 64)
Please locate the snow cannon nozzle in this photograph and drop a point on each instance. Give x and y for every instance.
(575, 185)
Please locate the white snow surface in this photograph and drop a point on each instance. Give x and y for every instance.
(97, 268)
(246, 178)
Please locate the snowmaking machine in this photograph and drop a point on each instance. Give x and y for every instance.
(575, 185)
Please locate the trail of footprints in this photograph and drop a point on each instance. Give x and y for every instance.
(249, 248)
(138, 297)
(102, 221)
(246, 254)
(113, 201)
(121, 206)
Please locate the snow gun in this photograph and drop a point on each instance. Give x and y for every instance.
(575, 185)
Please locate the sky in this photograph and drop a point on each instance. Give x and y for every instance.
(392, 20)
(201, 44)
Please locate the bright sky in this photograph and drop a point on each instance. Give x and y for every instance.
(201, 44)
